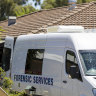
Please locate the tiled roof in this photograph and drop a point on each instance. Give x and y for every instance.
(84, 14)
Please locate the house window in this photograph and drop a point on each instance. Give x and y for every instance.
(34, 61)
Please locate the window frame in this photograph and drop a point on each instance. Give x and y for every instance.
(9, 50)
(68, 60)
(80, 78)
(41, 70)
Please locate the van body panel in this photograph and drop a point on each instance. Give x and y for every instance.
(9, 43)
(55, 47)
(23, 44)
(84, 41)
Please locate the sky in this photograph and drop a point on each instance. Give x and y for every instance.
(32, 3)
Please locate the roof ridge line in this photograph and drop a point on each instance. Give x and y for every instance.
(49, 10)
(36, 12)
(89, 4)
(76, 12)
(42, 10)
(52, 9)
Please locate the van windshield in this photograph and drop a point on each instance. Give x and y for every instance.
(6, 59)
(88, 60)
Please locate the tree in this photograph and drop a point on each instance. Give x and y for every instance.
(22, 10)
(6, 8)
(60, 3)
(51, 3)
(13, 8)
(47, 4)
(37, 2)
(1, 30)
(20, 2)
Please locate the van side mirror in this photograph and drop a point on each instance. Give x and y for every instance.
(73, 72)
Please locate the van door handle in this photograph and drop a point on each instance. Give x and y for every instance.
(64, 81)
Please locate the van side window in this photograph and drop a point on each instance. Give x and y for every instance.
(71, 61)
(6, 59)
(34, 61)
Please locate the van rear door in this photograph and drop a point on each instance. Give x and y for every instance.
(7, 55)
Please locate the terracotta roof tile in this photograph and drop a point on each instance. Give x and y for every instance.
(86, 18)
(83, 14)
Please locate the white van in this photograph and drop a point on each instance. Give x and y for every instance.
(61, 62)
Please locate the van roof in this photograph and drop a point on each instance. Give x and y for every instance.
(81, 41)
(65, 29)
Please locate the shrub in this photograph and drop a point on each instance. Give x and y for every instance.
(2, 73)
(7, 82)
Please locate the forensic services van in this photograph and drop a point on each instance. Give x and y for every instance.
(61, 62)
